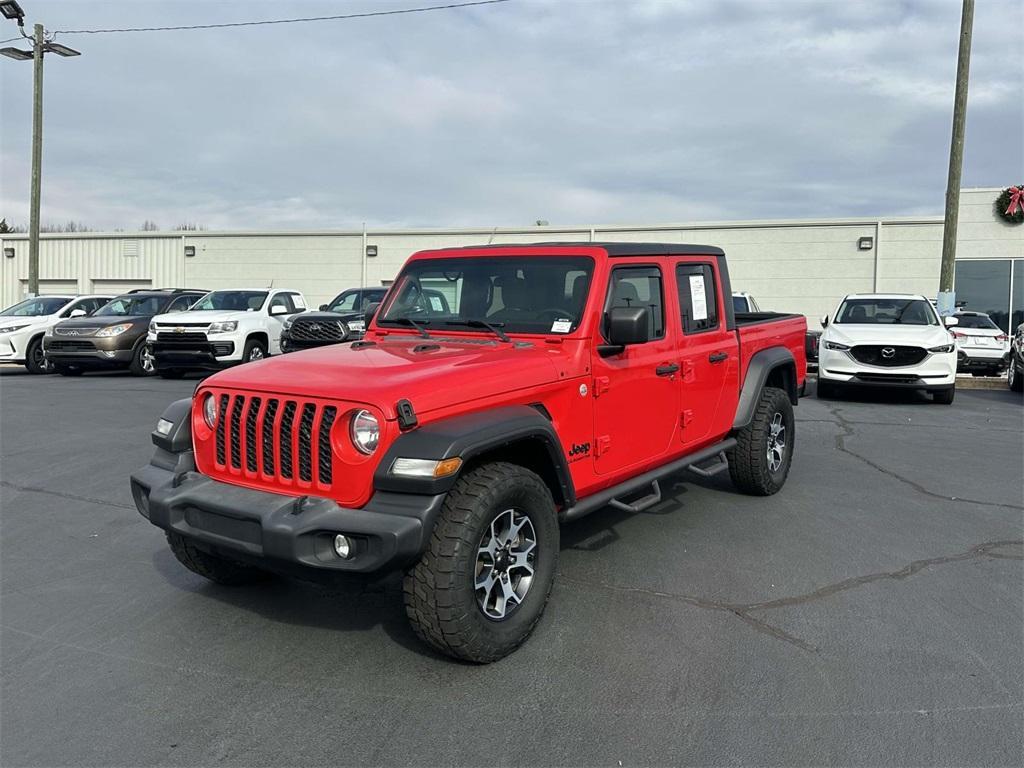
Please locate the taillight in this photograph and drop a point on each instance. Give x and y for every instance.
(1002, 337)
(958, 335)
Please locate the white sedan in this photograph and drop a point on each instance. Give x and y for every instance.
(887, 340)
(23, 325)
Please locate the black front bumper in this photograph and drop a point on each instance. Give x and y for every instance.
(193, 356)
(292, 535)
(888, 382)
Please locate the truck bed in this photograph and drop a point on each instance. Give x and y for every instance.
(760, 330)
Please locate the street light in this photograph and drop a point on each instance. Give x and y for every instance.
(40, 46)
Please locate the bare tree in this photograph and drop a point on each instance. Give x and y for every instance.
(69, 226)
(149, 226)
(190, 227)
(6, 228)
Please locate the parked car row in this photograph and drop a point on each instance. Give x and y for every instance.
(171, 331)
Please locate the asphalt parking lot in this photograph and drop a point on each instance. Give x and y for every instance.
(869, 614)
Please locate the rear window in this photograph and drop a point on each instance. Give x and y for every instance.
(976, 321)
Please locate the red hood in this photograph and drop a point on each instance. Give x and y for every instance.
(443, 373)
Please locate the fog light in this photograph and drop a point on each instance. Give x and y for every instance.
(109, 353)
(343, 546)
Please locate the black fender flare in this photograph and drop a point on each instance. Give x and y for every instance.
(469, 437)
(762, 364)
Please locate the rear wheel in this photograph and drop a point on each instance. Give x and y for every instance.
(1014, 379)
(944, 396)
(142, 363)
(35, 360)
(217, 569)
(759, 463)
(483, 581)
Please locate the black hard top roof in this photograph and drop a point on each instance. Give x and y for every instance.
(623, 249)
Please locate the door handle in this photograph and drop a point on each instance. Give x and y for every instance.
(717, 357)
(667, 369)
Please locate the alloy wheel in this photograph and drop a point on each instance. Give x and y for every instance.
(256, 353)
(776, 443)
(505, 563)
(147, 360)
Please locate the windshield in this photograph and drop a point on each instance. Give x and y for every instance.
(241, 301)
(521, 294)
(349, 301)
(123, 306)
(976, 321)
(886, 312)
(41, 305)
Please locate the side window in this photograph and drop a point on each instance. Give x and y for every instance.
(639, 287)
(180, 304)
(283, 300)
(698, 297)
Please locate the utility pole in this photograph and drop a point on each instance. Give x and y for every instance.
(37, 160)
(11, 9)
(947, 297)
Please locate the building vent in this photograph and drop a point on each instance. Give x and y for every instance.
(129, 247)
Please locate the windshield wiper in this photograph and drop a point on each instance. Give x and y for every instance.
(417, 324)
(495, 328)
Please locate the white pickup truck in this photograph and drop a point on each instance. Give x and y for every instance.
(223, 328)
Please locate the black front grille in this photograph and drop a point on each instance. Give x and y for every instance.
(181, 338)
(77, 330)
(317, 330)
(886, 378)
(69, 345)
(222, 348)
(888, 356)
(284, 439)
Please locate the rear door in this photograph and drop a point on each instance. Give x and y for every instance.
(709, 353)
(635, 406)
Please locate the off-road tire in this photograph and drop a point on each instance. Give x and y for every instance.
(170, 373)
(748, 460)
(67, 370)
(136, 367)
(1014, 378)
(251, 344)
(217, 569)
(944, 396)
(34, 360)
(440, 598)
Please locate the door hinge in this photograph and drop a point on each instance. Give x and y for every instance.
(601, 385)
(688, 371)
(604, 442)
(685, 418)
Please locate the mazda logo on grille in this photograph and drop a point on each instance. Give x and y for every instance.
(888, 353)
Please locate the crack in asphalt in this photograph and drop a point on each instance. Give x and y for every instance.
(744, 611)
(846, 427)
(63, 495)
(906, 424)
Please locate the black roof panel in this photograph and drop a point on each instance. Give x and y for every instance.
(622, 248)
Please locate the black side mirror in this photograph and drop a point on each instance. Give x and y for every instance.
(370, 311)
(824, 321)
(323, 307)
(626, 325)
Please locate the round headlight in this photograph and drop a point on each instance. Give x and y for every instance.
(365, 431)
(210, 411)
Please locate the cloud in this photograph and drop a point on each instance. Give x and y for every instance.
(574, 112)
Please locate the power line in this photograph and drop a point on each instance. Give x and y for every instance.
(364, 15)
(12, 40)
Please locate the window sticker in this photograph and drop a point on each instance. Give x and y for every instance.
(698, 299)
(561, 326)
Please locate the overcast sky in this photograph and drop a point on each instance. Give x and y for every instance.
(572, 112)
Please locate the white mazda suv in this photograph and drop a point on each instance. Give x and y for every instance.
(887, 340)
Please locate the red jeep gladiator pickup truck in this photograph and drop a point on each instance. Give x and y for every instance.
(454, 438)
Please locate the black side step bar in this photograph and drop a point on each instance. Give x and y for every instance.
(639, 505)
(611, 495)
(711, 469)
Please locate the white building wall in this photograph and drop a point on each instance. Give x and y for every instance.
(796, 266)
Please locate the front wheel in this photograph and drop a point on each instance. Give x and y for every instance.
(217, 569)
(143, 363)
(35, 360)
(759, 463)
(944, 396)
(484, 580)
(1014, 380)
(254, 350)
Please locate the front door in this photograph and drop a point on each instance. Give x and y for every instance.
(709, 353)
(636, 393)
